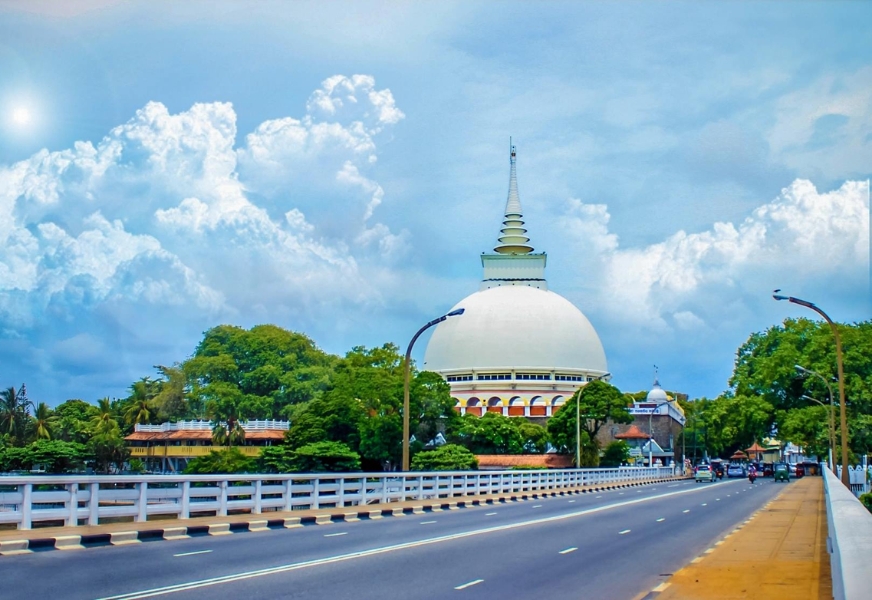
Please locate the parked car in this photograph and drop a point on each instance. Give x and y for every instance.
(704, 473)
(736, 470)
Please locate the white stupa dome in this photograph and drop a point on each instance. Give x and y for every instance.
(657, 394)
(515, 327)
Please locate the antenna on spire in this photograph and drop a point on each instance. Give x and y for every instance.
(656, 382)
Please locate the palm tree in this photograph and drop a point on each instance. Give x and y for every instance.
(103, 421)
(14, 410)
(42, 419)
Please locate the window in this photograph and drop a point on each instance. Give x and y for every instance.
(569, 377)
(494, 376)
(533, 376)
(459, 378)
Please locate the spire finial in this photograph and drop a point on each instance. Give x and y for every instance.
(512, 239)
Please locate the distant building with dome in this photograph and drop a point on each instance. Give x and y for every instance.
(519, 349)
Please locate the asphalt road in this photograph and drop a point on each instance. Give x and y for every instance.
(609, 545)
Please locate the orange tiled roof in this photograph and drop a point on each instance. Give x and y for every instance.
(164, 436)
(633, 433)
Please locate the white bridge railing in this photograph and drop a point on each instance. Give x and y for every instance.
(90, 500)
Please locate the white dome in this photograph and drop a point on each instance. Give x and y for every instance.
(657, 394)
(515, 326)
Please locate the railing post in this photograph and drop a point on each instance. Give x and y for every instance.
(384, 485)
(185, 512)
(363, 491)
(142, 502)
(420, 487)
(94, 505)
(26, 506)
(73, 508)
(257, 497)
(289, 495)
(222, 498)
(315, 500)
(340, 501)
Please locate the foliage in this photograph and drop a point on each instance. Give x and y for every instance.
(448, 457)
(72, 422)
(55, 456)
(135, 465)
(598, 403)
(866, 500)
(615, 454)
(14, 412)
(806, 427)
(226, 461)
(43, 419)
(322, 457)
(492, 433)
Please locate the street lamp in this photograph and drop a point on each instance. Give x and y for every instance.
(406, 368)
(578, 422)
(832, 424)
(832, 410)
(843, 418)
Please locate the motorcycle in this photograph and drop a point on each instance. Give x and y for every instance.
(720, 474)
(752, 476)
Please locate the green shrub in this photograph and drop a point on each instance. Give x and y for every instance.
(615, 454)
(227, 461)
(866, 499)
(323, 457)
(450, 457)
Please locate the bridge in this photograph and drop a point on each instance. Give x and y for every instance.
(592, 533)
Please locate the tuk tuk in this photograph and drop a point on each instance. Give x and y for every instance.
(781, 472)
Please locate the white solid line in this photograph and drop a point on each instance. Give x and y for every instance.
(623, 532)
(335, 534)
(470, 584)
(687, 511)
(201, 583)
(661, 519)
(568, 550)
(193, 553)
(490, 514)
(427, 522)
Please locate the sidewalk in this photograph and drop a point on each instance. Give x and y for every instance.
(780, 553)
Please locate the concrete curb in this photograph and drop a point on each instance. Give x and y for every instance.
(176, 532)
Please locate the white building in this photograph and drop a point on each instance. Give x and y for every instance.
(518, 348)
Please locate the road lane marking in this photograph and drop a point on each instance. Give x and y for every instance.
(571, 501)
(717, 499)
(623, 532)
(687, 511)
(193, 553)
(201, 583)
(427, 522)
(705, 503)
(489, 514)
(676, 485)
(599, 496)
(470, 584)
(568, 550)
(335, 534)
(661, 519)
(538, 506)
(620, 493)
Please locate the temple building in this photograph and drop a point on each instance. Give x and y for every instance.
(518, 349)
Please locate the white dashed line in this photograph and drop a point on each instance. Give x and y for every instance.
(623, 532)
(335, 534)
(427, 522)
(193, 553)
(470, 584)
(489, 514)
(705, 504)
(571, 501)
(676, 485)
(686, 511)
(538, 506)
(599, 496)
(568, 550)
(661, 519)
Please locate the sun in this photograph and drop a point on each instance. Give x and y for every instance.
(21, 116)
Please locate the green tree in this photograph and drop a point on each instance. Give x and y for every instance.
(225, 461)
(43, 419)
(598, 403)
(54, 456)
(73, 421)
(806, 427)
(14, 412)
(170, 400)
(323, 457)
(449, 457)
(615, 454)
(492, 433)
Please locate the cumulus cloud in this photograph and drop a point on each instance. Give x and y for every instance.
(687, 281)
(167, 213)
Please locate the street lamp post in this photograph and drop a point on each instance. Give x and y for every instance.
(832, 410)
(832, 426)
(843, 418)
(578, 423)
(406, 370)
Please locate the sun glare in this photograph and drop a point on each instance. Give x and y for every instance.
(21, 116)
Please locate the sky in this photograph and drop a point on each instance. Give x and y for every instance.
(338, 168)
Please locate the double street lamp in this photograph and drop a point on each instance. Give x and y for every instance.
(406, 368)
(803, 370)
(832, 426)
(843, 418)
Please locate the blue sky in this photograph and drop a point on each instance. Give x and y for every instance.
(337, 168)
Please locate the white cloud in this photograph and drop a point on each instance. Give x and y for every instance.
(802, 237)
